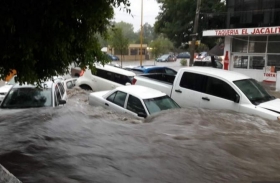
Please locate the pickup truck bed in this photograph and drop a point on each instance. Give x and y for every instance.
(159, 81)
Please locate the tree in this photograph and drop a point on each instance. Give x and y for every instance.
(119, 42)
(176, 19)
(160, 46)
(128, 31)
(148, 34)
(40, 39)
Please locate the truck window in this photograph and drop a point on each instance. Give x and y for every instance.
(219, 88)
(193, 81)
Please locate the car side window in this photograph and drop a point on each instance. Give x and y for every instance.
(193, 81)
(61, 88)
(170, 71)
(219, 88)
(117, 98)
(156, 71)
(58, 96)
(134, 105)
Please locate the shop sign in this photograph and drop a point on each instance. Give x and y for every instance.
(269, 74)
(243, 31)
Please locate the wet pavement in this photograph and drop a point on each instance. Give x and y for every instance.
(81, 143)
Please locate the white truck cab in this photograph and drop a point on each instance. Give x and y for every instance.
(212, 88)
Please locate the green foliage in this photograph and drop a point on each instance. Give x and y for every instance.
(183, 62)
(128, 31)
(148, 34)
(160, 46)
(40, 39)
(119, 42)
(202, 47)
(176, 19)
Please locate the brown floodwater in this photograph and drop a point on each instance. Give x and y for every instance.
(80, 143)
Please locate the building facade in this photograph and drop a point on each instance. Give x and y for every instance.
(252, 38)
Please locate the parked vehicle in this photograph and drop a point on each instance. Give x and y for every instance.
(51, 94)
(152, 69)
(184, 55)
(105, 78)
(209, 61)
(215, 89)
(112, 57)
(166, 58)
(139, 101)
(201, 55)
(6, 88)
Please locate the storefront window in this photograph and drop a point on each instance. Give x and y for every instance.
(274, 61)
(257, 44)
(257, 62)
(240, 62)
(273, 44)
(240, 44)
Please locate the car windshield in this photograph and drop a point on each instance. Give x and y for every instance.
(27, 98)
(253, 91)
(155, 105)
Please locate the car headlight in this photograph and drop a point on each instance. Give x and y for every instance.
(278, 118)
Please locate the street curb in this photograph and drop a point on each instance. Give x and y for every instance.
(6, 176)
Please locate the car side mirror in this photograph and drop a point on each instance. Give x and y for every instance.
(237, 98)
(141, 114)
(62, 102)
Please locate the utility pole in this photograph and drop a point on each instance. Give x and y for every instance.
(141, 33)
(195, 27)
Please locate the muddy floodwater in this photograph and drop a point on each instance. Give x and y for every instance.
(80, 143)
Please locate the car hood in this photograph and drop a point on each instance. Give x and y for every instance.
(273, 105)
(5, 88)
(99, 94)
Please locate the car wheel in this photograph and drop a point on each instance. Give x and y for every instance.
(85, 87)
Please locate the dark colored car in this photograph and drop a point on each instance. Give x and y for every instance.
(184, 55)
(153, 69)
(113, 57)
(166, 58)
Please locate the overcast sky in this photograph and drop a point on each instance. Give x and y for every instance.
(150, 11)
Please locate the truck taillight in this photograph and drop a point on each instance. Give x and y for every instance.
(82, 73)
(134, 81)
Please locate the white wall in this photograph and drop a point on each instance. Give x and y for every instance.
(278, 81)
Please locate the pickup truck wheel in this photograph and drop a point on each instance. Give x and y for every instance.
(85, 87)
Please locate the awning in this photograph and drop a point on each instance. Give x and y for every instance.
(217, 50)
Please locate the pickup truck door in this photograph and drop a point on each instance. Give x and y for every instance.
(187, 89)
(219, 95)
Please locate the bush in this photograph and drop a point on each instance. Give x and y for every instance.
(183, 62)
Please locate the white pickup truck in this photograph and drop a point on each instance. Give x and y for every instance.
(214, 89)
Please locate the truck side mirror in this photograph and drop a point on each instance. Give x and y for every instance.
(237, 98)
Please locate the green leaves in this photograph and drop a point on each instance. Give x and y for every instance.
(176, 17)
(41, 39)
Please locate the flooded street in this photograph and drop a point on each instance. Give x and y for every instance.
(81, 143)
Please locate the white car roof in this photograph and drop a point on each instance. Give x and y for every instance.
(220, 73)
(141, 92)
(46, 84)
(115, 70)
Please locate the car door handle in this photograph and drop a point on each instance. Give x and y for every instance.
(205, 98)
(106, 104)
(178, 91)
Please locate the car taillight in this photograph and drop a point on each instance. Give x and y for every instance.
(134, 81)
(82, 73)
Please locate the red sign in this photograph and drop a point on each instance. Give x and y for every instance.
(244, 31)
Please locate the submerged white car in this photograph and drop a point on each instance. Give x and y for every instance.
(139, 101)
(51, 94)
